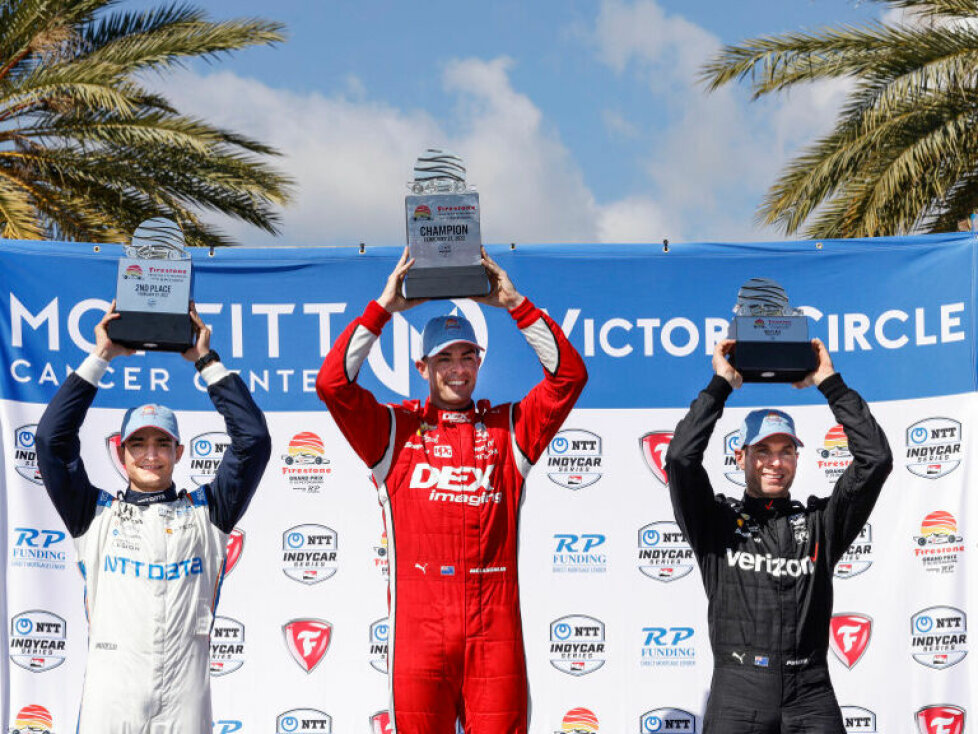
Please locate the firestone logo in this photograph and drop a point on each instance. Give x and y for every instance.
(206, 452)
(849, 636)
(663, 552)
(858, 557)
(934, 447)
(577, 644)
(940, 719)
(37, 640)
(309, 553)
(25, 453)
(227, 646)
(380, 723)
(939, 636)
(308, 640)
(304, 721)
(667, 719)
(654, 446)
(574, 458)
(858, 720)
(234, 549)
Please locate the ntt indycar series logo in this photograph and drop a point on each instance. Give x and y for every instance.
(858, 720)
(574, 459)
(733, 473)
(858, 557)
(309, 553)
(579, 553)
(940, 544)
(379, 642)
(305, 464)
(940, 719)
(833, 455)
(227, 646)
(37, 640)
(667, 720)
(668, 646)
(939, 636)
(206, 452)
(25, 454)
(663, 553)
(577, 644)
(304, 721)
(933, 447)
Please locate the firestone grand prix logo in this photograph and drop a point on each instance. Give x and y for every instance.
(667, 720)
(309, 553)
(227, 646)
(206, 452)
(939, 636)
(858, 720)
(305, 464)
(663, 553)
(940, 544)
(833, 456)
(933, 447)
(25, 453)
(653, 446)
(37, 640)
(308, 640)
(940, 719)
(578, 721)
(34, 719)
(849, 636)
(577, 644)
(858, 557)
(304, 721)
(574, 458)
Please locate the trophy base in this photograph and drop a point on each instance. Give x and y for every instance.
(773, 361)
(448, 282)
(155, 332)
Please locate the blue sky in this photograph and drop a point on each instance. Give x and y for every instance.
(580, 120)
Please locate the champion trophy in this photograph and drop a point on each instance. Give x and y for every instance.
(772, 337)
(443, 233)
(153, 290)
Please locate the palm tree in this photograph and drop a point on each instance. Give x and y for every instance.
(903, 156)
(87, 152)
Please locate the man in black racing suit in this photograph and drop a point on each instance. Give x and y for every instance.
(767, 560)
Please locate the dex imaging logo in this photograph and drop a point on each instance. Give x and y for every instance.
(574, 458)
(577, 644)
(37, 640)
(667, 720)
(858, 720)
(379, 644)
(25, 453)
(939, 636)
(578, 721)
(849, 636)
(309, 553)
(933, 447)
(663, 553)
(858, 557)
(581, 553)
(653, 446)
(37, 548)
(733, 473)
(305, 464)
(308, 640)
(833, 455)
(940, 544)
(940, 719)
(206, 452)
(304, 721)
(227, 646)
(668, 646)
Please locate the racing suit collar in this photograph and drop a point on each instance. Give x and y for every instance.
(150, 498)
(435, 416)
(761, 505)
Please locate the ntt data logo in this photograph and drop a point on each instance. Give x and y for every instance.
(206, 452)
(933, 447)
(227, 646)
(579, 721)
(858, 720)
(667, 720)
(577, 644)
(939, 637)
(733, 473)
(668, 646)
(574, 459)
(37, 640)
(25, 453)
(663, 553)
(304, 721)
(858, 557)
(379, 644)
(309, 553)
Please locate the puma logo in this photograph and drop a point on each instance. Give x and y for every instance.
(739, 656)
(423, 567)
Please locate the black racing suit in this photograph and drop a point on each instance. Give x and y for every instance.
(767, 567)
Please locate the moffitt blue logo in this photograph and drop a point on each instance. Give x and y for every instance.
(38, 548)
(575, 553)
(668, 646)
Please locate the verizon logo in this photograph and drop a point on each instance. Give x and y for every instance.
(766, 563)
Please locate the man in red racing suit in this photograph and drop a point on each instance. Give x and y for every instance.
(450, 477)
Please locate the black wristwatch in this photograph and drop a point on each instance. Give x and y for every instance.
(207, 359)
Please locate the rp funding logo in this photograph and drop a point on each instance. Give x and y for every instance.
(579, 553)
(668, 646)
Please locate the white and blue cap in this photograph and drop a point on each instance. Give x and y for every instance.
(443, 331)
(761, 424)
(150, 416)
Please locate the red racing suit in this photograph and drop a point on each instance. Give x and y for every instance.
(450, 484)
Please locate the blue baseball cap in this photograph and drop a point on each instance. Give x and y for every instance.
(443, 331)
(150, 416)
(764, 423)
